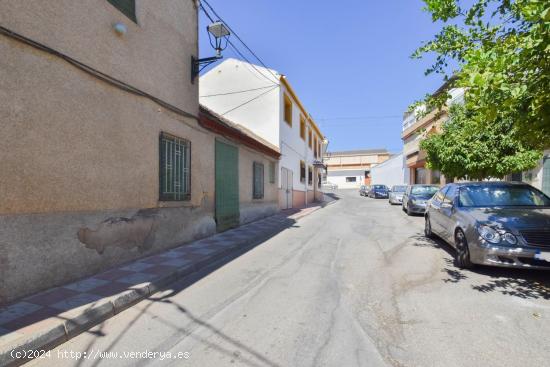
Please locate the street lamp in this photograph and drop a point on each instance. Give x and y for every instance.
(217, 33)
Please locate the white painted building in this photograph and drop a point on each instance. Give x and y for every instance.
(391, 172)
(351, 168)
(263, 101)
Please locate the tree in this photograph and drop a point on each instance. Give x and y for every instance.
(502, 48)
(465, 148)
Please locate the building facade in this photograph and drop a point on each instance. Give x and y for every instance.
(263, 101)
(104, 157)
(391, 172)
(415, 129)
(351, 169)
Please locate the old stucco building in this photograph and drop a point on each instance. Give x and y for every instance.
(269, 106)
(351, 168)
(104, 158)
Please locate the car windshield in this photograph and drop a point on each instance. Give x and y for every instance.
(424, 190)
(491, 196)
(399, 188)
(379, 187)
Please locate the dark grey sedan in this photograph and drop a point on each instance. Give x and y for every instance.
(493, 223)
(416, 197)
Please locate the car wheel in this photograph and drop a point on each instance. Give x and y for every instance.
(409, 211)
(428, 227)
(462, 251)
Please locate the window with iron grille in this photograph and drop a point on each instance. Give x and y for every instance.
(302, 171)
(174, 168)
(319, 180)
(310, 175)
(258, 181)
(127, 7)
(271, 172)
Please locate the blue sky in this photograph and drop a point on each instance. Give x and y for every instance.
(344, 59)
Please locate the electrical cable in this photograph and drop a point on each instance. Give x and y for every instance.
(95, 73)
(235, 47)
(239, 38)
(250, 100)
(236, 92)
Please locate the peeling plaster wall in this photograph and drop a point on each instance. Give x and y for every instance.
(79, 158)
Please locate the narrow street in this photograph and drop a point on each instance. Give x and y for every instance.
(353, 284)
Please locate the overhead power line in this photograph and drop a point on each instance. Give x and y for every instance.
(239, 38)
(250, 100)
(359, 118)
(234, 48)
(236, 92)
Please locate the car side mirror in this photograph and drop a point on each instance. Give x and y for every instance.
(447, 205)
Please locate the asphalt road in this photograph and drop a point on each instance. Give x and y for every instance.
(353, 284)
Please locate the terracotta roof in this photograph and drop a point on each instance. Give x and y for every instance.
(227, 127)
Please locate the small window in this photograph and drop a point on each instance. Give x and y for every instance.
(351, 179)
(174, 168)
(302, 128)
(271, 172)
(310, 175)
(127, 7)
(302, 171)
(310, 138)
(315, 147)
(288, 110)
(258, 181)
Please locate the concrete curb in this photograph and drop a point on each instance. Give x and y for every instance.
(71, 323)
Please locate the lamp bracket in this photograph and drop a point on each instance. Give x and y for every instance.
(198, 64)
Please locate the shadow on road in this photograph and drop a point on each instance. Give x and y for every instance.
(521, 283)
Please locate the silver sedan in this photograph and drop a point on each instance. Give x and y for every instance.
(396, 194)
(493, 223)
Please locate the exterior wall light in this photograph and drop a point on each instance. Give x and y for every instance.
(120, 28)
(217, 34)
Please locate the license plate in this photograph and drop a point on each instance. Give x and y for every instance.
(543, 256)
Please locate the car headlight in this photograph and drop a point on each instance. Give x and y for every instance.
(489, 234)
(510, 238)
(493, 235)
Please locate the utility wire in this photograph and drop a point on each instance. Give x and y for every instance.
(250, 100)
(236, 92)
(234, 48)
(359, 118)
(239, 38)
(94, 72)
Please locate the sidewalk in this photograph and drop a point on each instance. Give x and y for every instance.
(49, 318)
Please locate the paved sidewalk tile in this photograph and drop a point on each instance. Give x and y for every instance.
(22, 318)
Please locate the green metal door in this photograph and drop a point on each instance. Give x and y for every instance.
(546, 175)
(227, 186)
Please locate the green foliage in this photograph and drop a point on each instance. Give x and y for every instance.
(467, 148)
(502, 48)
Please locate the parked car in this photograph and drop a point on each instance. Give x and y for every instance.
(396, 194)
(330, 186)
(415, 198)
(364, 190)
(378, 191)
(493, 223)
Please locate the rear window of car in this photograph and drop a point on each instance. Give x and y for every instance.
(494, 196)
(379, 187)
(399, 188)
(424, 190)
